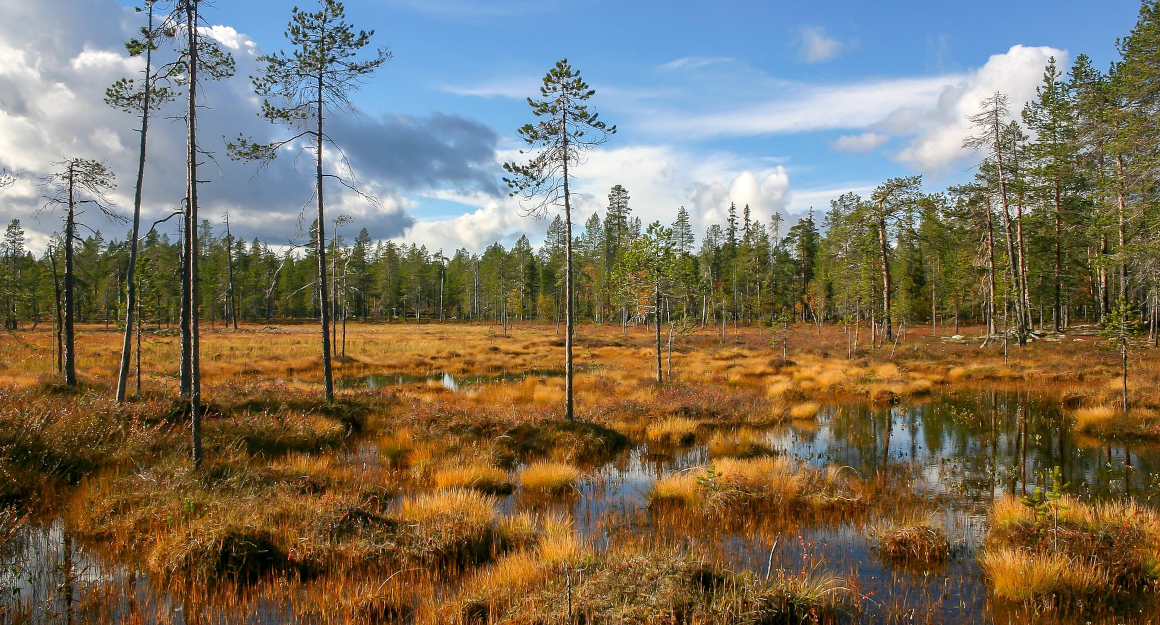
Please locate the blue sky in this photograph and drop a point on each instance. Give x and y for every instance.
(779, 104)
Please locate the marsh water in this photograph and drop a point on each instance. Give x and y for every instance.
(948, 457)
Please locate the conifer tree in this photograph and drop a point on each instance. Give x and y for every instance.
(298, 89)
(565, 130)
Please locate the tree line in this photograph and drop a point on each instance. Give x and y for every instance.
(1058, 225)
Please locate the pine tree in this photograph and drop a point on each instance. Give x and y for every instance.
(297, 90)
(567, 128)
(76, 182)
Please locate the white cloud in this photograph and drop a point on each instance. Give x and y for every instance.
(695, 62)
(802, 108)
(939, 130)
(817, 46)
(56, 62)
(864, 142)
(516, 88)
(659, 179)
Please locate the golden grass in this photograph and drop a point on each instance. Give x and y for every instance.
(806, 410)
(919, 542)
(769, 480)
(471, 507)
(683, 487)
(1075, 549)
(1093, 418)
(672, 430)
(744, 443)
(549, 478)
(483, 478)
(1018, 575)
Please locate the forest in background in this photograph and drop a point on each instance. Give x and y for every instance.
(1058, 226)
(1068, 218)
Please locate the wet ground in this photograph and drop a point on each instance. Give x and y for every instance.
(945, 459)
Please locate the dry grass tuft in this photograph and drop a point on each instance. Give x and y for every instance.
(673, 431)
(1093, 419)
(482, 478)
(807, 410)
(1067, 550)
(1019, 575)
(731, 482)
(745, 443)
(914, 543)
(550, 478)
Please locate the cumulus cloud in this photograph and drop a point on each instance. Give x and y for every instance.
(658, 178)
(816, 45)
(55, 63)
(939, 130)
(864, 142)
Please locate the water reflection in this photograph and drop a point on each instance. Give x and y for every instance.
(951, 457)
(450, 382)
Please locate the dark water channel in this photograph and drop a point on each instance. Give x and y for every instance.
(951, 456)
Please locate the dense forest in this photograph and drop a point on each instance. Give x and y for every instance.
(1057, 227)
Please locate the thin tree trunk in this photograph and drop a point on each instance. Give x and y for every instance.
(230, 266)
(885, 251)
(191, 235)
(69, 346)
(323, 297)
(569, 322)
(130, 278)
(660, 371)
(1058, 304)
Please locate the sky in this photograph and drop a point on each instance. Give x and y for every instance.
(779, 105)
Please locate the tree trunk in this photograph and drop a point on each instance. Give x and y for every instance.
(130, 278)
(191, 235)
(660, 371)
(69, 346)
(569, 322)
(885, 251)
(230, 266)
(1058, 303)
(323, 295)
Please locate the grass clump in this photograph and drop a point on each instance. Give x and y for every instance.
(550, 478)
(566, 441)
(807, 410)
(1020, 575)
(213, 550)
(1066, 550)
(731, 482)
(672, 431)
(745, 443)
(451, 526)
(914, 543)
(483, 478)
(1093, 419)
(634, 584)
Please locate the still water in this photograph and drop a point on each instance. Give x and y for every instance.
(945, 459)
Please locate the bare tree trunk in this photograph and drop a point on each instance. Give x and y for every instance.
(1058, 304)
(660, 371)
(69, 347)
(130, 278)
(191, 235)
(323, 291)
(230, 266)
(569, 322)
(885, 251)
